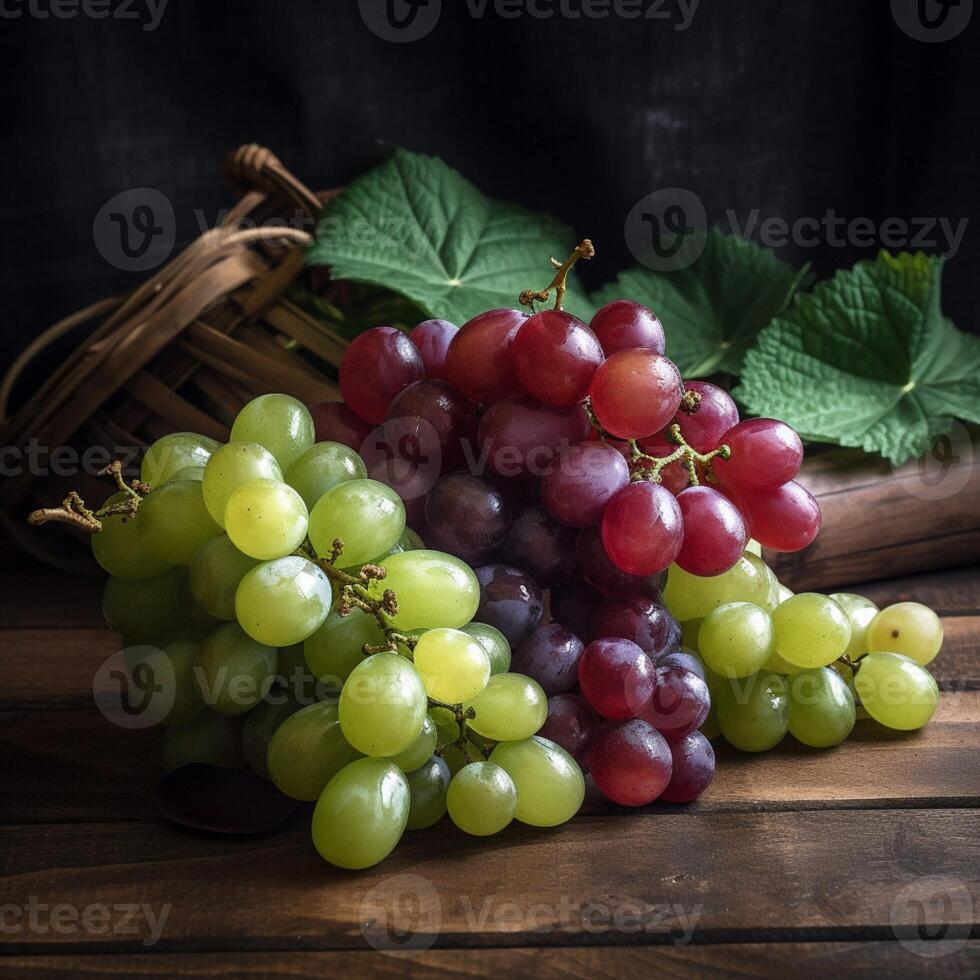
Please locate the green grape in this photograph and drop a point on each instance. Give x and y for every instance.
(266, 519)
(777, 665)
(510, 708)
(753, 712)
(279, 423)
(410, 541)
(189, 473)
(895, 690)
(736, 639)
(482, 799)
(144, 610)
(821, 708)
(362, 814)
(282, 602)
(447, 729)
(693, 596)
(771, 599)
(383, 705)
(293, 673)
(231, 466)
(752, 547)
(427, 786)
(420, 750)
(210, 738)
(457, 759)
(433, 590)
(235, 671)
(550, 785)
(453, 666)
(173, 453)
(120, 547)
(182, 651)
(909, 628)
(307, 750)
(175, 521)
(366, 515)
(494, 642)
(260, 725)
(860, 612)
(193, 614)
(690, 629)
(337, 647)
(785, 594)
(323, 467)
(215, 573)
(811, 630)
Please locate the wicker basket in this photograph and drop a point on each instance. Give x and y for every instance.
(184, 351)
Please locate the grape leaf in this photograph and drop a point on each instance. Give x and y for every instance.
(713, 309)
(416, 226)
(868, 360)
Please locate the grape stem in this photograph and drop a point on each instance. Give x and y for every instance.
(848, 662)
(74, 511)
(584, 250)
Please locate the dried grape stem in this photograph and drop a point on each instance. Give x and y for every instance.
(584, 250)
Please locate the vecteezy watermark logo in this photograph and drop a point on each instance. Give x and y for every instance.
(933, 917)
(148, 13)
(400, 21)
(667, 230)
(135, 231)
(136, 687)
(944, 470)
(96, 919)
(932, 21)
(403, 912)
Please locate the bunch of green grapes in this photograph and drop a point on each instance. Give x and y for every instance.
(806, 664)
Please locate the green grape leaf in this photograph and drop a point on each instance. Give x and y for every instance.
(712, 310)
(416, 226)
(868, 360)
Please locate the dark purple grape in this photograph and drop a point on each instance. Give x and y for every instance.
(693, 764)
(467, 517)
(573, 604)
(510, 600)
(335, 422)
(683, 659)
(541, 546)
(608, 578)
(429, 417)
(634, 617)
(679, 704)
(550, 655)
(583, 480)
(573, 725)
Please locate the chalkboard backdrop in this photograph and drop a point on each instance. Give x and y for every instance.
(825, 110)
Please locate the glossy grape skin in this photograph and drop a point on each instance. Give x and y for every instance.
(174, 452)
(753, 712)
(510, 601)
(321, 468)
(555, 356)
(209, 738)
(616, 677)
(679, 704)
(821, 708)
(411, 483)
(453, 665)
(811, 630)
(643, 530)
(337, 646)
(692, 768)
(784, 519)
(215, 573)
(282, 602)
(232, 465)
(172, 679)
(383, 705)
(121, 549)
(765, 455)
(420, 751)
(623, 324)
(550, 786)
(540, 546)
(597, 567)
(467, 517)
(366, 515)
(362, 814)
(704, 429)
(573, 724)
(307, 751)
(427, 424)
(909, 628)
(896, 691)
(860, 612)
(693, 597)
(635, 393)
(261, 723)
(550, 655)
(175, 521)
(480, 362)
(573, 604)
(266, 519)
(482, 799)
(511, 707)
(335, 422)
(279, 423)
(377, 365)
(495, 644)
(519, 436)
(714, 533)
(737, 639)
(584, 479)
(685, 659)
(428, 785)
(639, 619)
(432, 338)
(236, 672)
(143, 610)
(630, 762)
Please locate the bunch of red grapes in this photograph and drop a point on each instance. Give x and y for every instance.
(554, 455)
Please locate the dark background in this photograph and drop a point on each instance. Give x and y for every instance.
(792, 107)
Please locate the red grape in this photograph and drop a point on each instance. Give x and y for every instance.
(480, 362)
(714, 532)
(556, 355)
(550, 655)
(715, 415)
(636, 393)
(432, 338)
(466, 517)
(765, 455)
(429, 418)
(541, 546)
(623, 324)
(616, 677)
(684, 659)
(335, 422)
(692, 768)
(680, 702)
(607, 577)
(784, 519)
(638, 619)
(510, 600)
(584, 479)
(378, 364)
(572, 724)
(642, 528)
(630, 762)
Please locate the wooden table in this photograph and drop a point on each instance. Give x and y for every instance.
(798, 862)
